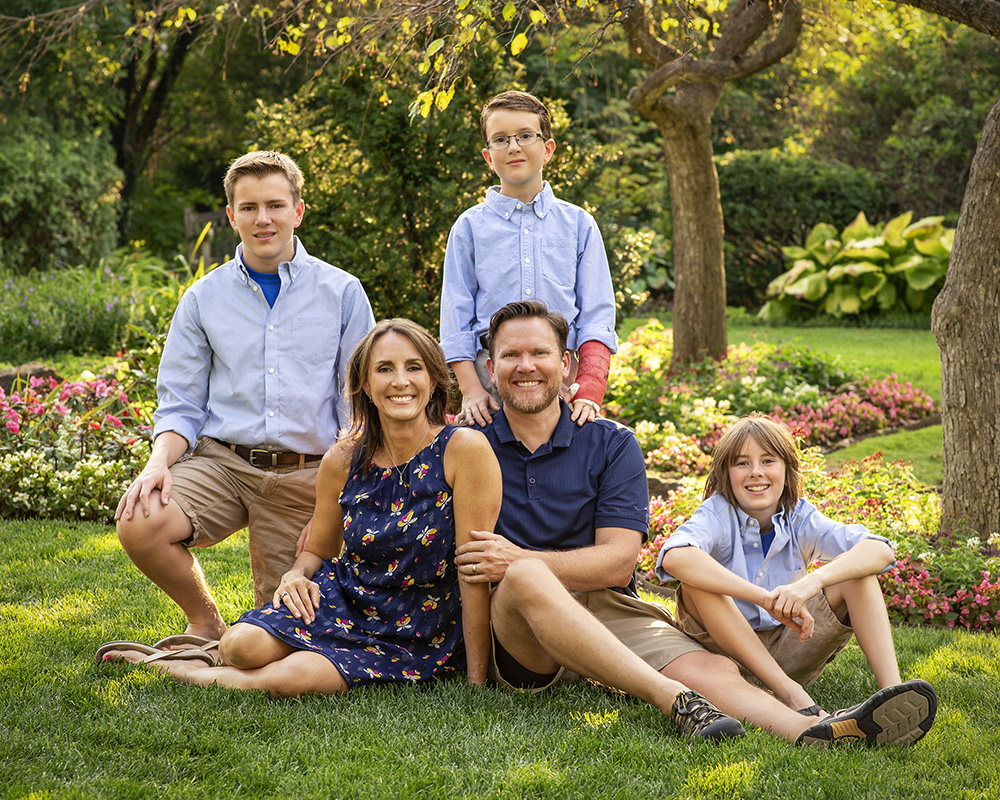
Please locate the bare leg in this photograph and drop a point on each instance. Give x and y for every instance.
(153, 544)
(719, 679)
(729, 629)
(862, 601)
(540, 624)
(277, 668)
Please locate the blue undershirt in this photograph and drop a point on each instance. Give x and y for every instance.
(269, 282)
(766, 539)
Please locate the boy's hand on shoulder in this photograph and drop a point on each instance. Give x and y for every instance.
(584, 411)
(477, 409)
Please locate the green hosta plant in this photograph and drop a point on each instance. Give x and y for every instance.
(896, 266)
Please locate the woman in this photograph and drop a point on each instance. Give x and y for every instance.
(396, 495)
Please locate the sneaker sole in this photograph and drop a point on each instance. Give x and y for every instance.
(895, 715)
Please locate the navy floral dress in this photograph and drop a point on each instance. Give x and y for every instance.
(389, 604)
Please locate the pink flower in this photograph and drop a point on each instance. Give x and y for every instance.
(112, 419)
(13, 427)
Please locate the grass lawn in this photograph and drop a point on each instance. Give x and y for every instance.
(911, 354)
(70, 728)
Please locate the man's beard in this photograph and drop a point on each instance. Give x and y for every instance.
(511, 398)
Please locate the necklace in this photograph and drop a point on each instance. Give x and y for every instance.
(399, 467)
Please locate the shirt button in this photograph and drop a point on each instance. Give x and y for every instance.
(531, 480)
(270, 327)
(526, 231)
(527, 261)
(754, 544)
(255, 288)
(270, 413)
(271, 371)
(517, 207)
(507, 215)
(527, 291)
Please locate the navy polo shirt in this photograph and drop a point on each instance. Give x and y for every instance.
(582, 479)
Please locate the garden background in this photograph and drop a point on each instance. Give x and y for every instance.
(837, 176)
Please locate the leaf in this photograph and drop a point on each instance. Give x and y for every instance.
(887, 296)
(858, 229)
(811, 288)
(893, 230)
(793, 252)
(509, 12)
(932, 247)
(870, 253)
(926, 274)
(538, 17)
(820, 234)
(922, 227)
(434, 46)
(519, 43)
(909, 262)
(871, 286)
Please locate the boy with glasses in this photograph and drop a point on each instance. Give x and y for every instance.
(522, 243)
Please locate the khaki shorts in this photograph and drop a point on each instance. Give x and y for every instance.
(801, 661)
(647, 629)
(221, 494)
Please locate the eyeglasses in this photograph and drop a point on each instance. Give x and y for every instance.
(523, 140)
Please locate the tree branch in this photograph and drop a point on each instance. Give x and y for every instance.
(644, 44)
(734, 66)
(983, 15)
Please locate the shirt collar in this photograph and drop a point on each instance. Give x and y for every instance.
(745, 519)
(504, 206)
(293, 267)
(562, 436)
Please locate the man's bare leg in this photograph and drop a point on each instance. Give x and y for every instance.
(153, 544)
(542, 626)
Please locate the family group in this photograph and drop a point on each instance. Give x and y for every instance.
(387, 544)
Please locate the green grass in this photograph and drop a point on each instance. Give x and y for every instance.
(911, 354)
(70, 728)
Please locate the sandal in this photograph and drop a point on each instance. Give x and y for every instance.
(151, 653)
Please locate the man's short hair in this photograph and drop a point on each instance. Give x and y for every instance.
(260, 164)
(517, 101)
(526, 309)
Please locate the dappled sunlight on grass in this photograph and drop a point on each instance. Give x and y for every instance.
(734, 780)
(596, 719)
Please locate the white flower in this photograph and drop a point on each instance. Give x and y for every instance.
(972, 542)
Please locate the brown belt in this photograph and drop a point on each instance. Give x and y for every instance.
(270, 459)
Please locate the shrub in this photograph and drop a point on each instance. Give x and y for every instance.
(70, 449)
(770, 197)
(59, 198)
(896, 266)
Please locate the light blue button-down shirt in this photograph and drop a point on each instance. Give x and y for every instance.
(235, 369)
(732, 538)
(504, 250)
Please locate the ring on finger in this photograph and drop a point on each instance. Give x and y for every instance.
(284, 594)
(474, 570)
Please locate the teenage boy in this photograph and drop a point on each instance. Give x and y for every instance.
(251, 392)
(562, 558)
(522, 243)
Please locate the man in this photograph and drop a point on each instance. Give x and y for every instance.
(573, 518)
(253, 379)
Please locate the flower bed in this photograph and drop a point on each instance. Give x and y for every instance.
(70, 449)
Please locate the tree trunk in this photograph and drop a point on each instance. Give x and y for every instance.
(966, 325)
(699, 324)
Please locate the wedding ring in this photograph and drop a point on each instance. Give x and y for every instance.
(284, 594)
(474, 569)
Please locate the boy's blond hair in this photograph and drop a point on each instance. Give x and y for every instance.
(517, 101)
(260, 164)
(771, 438)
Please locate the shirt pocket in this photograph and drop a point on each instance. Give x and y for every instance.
(559, 261)
(315, 339)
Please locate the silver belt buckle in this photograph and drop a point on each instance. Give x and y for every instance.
(267, 458)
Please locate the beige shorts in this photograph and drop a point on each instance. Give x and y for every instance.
(647, 629)
(801, 661)
(221, 494)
